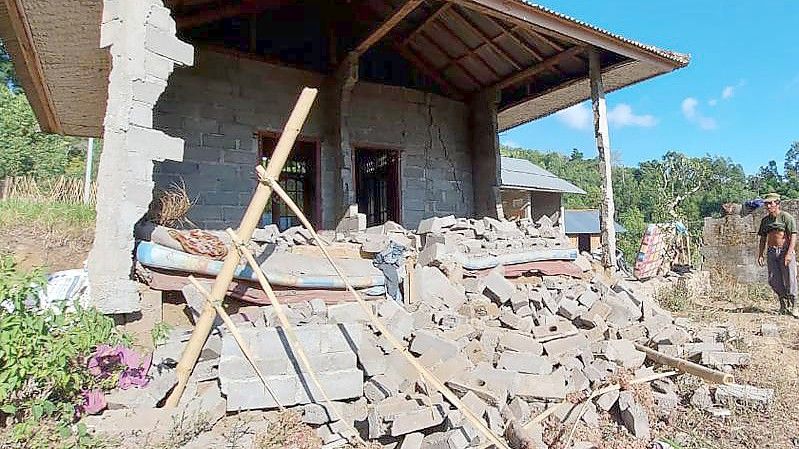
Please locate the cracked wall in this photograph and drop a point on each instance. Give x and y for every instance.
(219, 104)
(140, 36)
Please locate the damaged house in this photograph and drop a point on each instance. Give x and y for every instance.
(412, 96)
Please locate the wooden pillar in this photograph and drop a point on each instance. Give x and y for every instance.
(607, 209)
(486, 169)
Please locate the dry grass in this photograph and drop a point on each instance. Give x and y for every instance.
(171, 206)
(286, 430)
(62, 189)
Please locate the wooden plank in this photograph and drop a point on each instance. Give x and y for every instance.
(527, 15)
(607, 209)
(33, 64)
(525, 45)
(488, 39)
(441, 10)
(426, 67)
(542, 37)
(386, 26)
(544, 65)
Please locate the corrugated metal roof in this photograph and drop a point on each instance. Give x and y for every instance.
(523, 174)
(680, 58)
(585, 222)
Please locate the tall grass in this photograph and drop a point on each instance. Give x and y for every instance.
(46, 216)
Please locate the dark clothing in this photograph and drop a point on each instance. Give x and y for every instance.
(782, 279)
(782, 222)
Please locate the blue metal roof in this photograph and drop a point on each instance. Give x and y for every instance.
(523, 174)
(585, 222)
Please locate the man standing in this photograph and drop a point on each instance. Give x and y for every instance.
(777, 247)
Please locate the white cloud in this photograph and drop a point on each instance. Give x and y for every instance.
(728, 92)
(712, 102)
(577, 116)
(622, 115)
(691, 112)
(509, 143)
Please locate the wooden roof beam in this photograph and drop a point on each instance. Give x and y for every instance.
(426, 67)
(469, 50)
(438, 12)
(385, 27)
(224, 12)
(488, 39)
(542, 66)
(454, 60)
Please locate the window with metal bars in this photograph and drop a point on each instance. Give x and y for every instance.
(298, 179)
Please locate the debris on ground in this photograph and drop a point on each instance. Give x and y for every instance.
(509, 317)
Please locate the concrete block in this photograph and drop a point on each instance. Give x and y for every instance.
(523, 362)
(608, 400)
(497, 287)
(747, 395)
(719, 359)
(569, 345)
(425, 341)
(435, 224)
(417, 420)
(434, 289)
(770, 330)
(412, 441)
(636, 421)
(350, 312)
(514, 341)
(536, 387)
(553, 331)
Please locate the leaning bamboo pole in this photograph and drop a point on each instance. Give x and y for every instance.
(252, 216)
(234, 330)
(294, 342)
(384, 331)
(703, 372)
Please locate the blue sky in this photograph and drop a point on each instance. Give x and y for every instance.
(739, 97)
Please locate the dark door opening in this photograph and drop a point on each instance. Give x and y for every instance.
(584, 243)
(377, 185)
(298, 179)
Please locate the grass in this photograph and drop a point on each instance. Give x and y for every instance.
(46, 216)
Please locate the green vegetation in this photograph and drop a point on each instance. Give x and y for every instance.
(674, 187)
(49, 215)
(43, 371)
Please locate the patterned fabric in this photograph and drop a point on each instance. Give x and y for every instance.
(650, 257)
(200, 243)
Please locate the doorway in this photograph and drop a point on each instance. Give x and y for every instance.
(584, 243)
(377, 180)
(299, 179)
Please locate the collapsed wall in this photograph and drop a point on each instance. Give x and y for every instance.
(144, 50)
(731, 243)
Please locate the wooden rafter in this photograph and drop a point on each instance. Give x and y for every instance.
(386, 26)
(525, 45)
(488, 39)
(212, 15)
(426, 67)
(542, 66)
(459, 63)
(549, 41)
(469, 51)
(430, 19)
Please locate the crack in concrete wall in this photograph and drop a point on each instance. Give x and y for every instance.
(144, 50)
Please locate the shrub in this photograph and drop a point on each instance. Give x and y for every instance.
(43, 353)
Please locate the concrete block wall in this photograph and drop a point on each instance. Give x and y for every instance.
(218, 105)
(141, 39)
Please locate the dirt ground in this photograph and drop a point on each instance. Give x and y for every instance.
(775, 364)
(51, 249)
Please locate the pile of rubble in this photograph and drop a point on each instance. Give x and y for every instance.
(488, 312)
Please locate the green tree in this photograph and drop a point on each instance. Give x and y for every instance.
(7, 76)
(24, 149)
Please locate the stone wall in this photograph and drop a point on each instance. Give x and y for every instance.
(218, 105)
(731, 243)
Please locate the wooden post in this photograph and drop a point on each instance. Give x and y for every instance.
(251, 218)
(607, 210)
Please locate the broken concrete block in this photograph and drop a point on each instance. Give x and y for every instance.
(435, 224)
(349, 312)
(622, 352)
(570, 309)
(719, 359)
(770, 330)
(514, 341)
(497, 287)
(524, 362)
(424, 341)
(554, 330)
(608, 400)
(701, 398)
(434, 289)
(569, 345)
(417, 420)
(412, 441)
(534, 386)
(748, 395)
(636, 421)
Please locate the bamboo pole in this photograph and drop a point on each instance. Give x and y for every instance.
(238, 337)
(294, 342)
(426, 375)
(703, 372)
(251, 218)
(546, 413)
